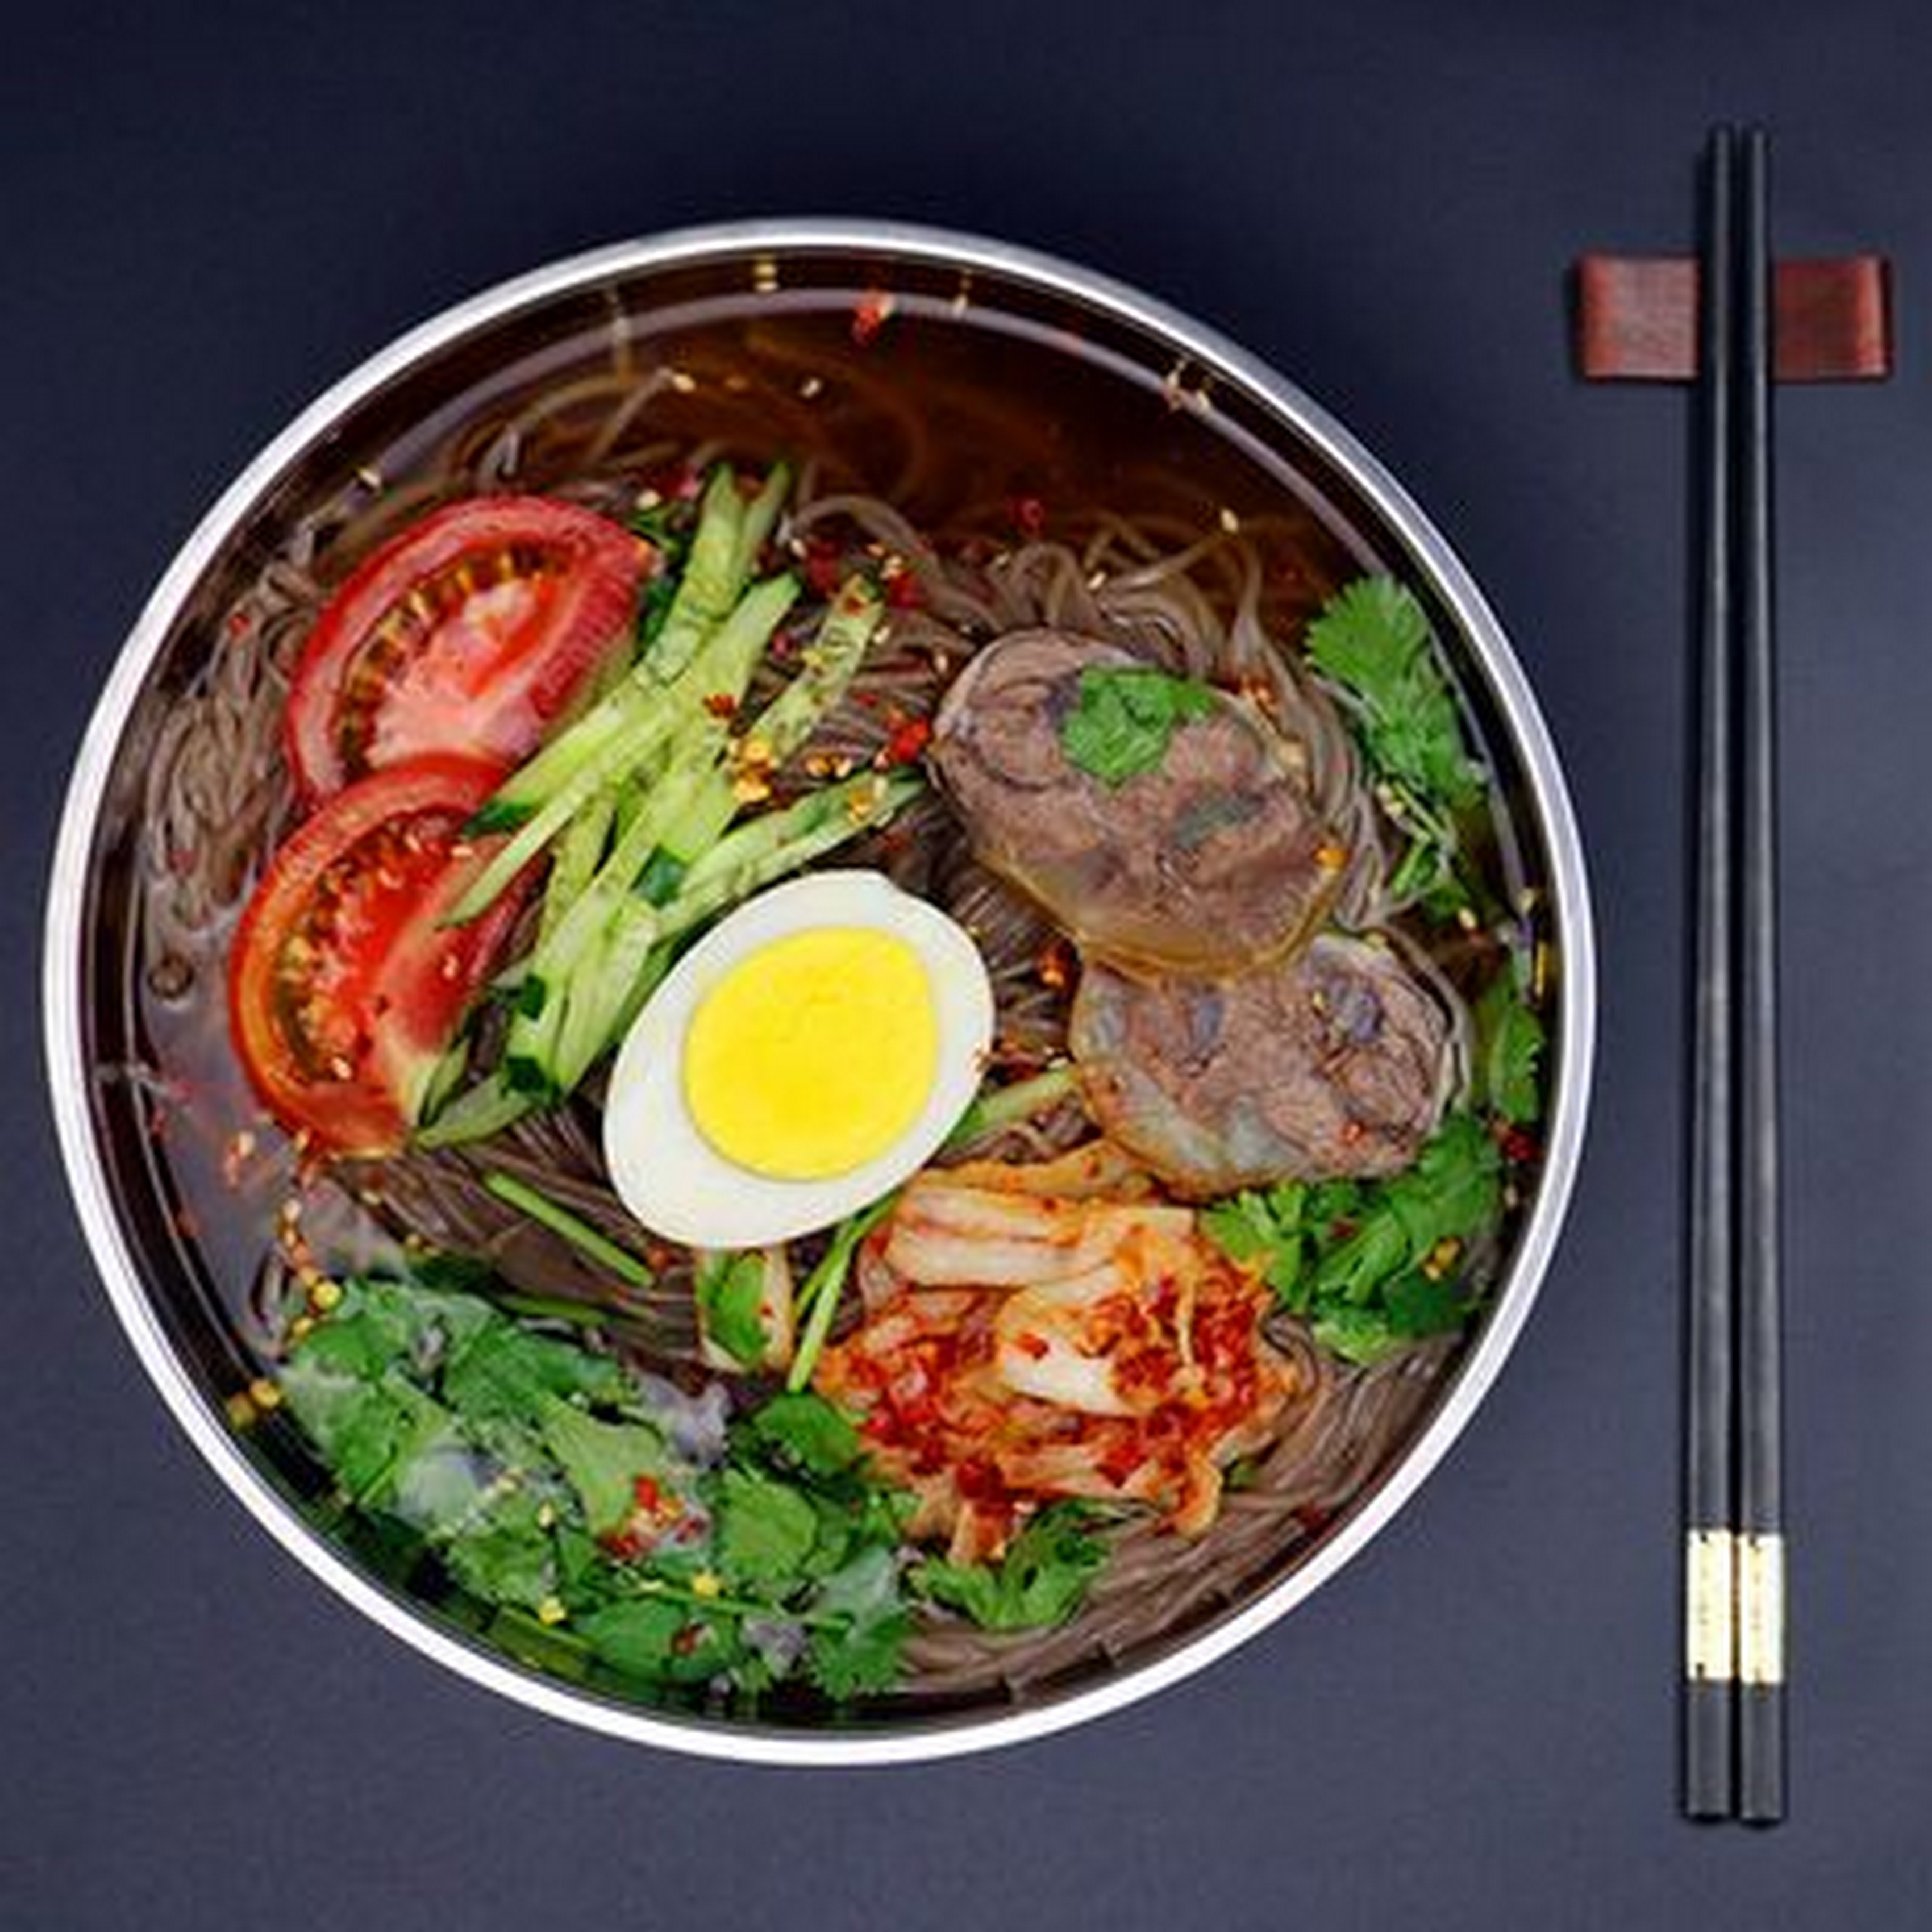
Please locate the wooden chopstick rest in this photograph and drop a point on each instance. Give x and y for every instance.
(1636, 319)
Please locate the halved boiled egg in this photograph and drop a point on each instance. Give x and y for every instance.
(808, 1054)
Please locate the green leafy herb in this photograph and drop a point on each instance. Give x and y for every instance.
(1372, 1264)
(1374, 637)
(802, 1431)
(603, 1461)
(663, 1638)
(1042, 1580)
(590, 1509)
(766, 1529)
(1372, 640)
(504, 1373)
(1510, 1043)
(730, 1290)
(856, 1649)
(1123, 720)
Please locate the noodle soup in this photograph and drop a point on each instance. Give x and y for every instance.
(990, 463)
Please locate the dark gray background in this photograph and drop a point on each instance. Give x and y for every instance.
(206, 221)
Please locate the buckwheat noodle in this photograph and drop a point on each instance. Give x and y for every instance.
(1207, 604)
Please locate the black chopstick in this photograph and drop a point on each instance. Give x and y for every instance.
(1709, 1660)
(1760, 1475)
(1734, 1545)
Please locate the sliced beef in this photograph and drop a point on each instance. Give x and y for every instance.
(1210, 862)
(1331, 1063)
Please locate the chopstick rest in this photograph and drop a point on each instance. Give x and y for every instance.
(1737, 325)
(1636, 319)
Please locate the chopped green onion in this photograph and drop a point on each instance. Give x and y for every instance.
(545, 1212)
(994, 1109)
(825, 1284)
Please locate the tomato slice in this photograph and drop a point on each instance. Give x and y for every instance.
(344, 987)
(469, 631)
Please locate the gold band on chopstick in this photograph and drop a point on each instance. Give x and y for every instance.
(1760, 1561)
(1710, 1633)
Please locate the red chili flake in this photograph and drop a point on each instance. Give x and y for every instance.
(980, 1481)
(1028, 514)
(624, 1544)
(1055, 964)
(687, 1639)
(1032, 1345)
(240, 623)
(649, 1496)
(822, 562)
(902, 591)
(1516, 1145)
(679, 483)
(720, 703)
(906, 743)
(870, 314)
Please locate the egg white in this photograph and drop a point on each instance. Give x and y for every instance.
(670, 1177)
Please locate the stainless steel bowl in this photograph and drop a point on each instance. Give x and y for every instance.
(1194, 397)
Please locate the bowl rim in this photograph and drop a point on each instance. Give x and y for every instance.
(119, 1267)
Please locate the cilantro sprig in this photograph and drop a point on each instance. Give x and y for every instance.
(1372, 642)
(1372, 1265)
(1123, 718)
(1510, 1043)
(592, 1510)
(1041, 1580)
(730, 1291)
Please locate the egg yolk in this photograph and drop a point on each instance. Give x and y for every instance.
(813, 1054)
